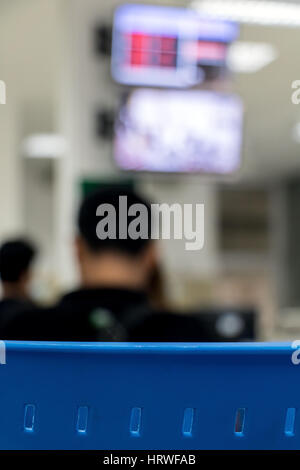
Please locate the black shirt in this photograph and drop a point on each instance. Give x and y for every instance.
(12, 307)
(101, 315)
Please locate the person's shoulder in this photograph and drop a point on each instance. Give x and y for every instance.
(14, 305)
(10, 309)
(19, 323)
(32, 323)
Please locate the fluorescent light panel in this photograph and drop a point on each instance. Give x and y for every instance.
(252, 11)
(250, 57)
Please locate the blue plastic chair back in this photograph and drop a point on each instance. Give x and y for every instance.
(149, 396)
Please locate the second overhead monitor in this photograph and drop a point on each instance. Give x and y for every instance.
(183, 131)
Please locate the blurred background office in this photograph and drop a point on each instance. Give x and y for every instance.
(57, 143)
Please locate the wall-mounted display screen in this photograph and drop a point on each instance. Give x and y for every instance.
(161, 46)
(179, 131)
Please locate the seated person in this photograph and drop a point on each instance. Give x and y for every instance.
(16, 258)
(112, 303)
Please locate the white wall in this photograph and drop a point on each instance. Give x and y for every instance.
(29, 64)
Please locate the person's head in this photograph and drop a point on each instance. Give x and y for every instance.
(107, 255)
(16, 258)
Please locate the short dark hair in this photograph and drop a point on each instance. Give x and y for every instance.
(16, 256)
(88, 220)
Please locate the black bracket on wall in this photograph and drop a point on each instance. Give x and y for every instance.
(105, 122)
(103, 40)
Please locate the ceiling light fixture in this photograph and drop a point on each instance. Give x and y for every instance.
(252, 11)
(250, 57)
